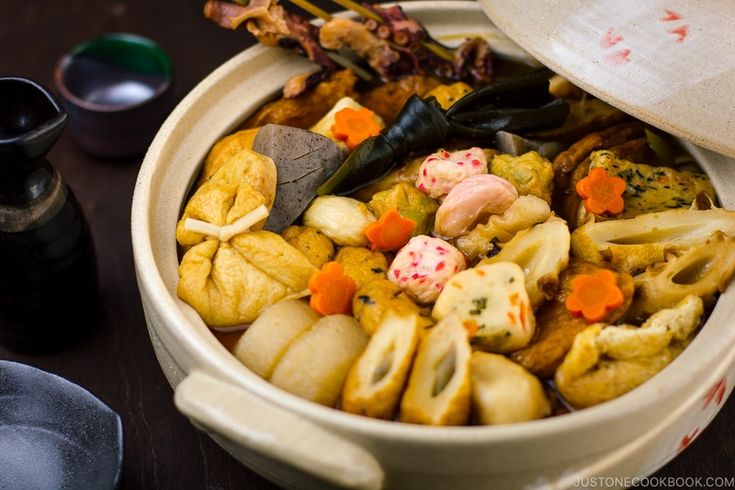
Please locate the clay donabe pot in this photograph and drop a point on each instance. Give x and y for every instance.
(300, 444)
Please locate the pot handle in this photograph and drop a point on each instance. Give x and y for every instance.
(269, 430)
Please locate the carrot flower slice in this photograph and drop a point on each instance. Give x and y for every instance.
(354, 126)
(601, 192)
(331, 290)
(390, 232)
(593, 296)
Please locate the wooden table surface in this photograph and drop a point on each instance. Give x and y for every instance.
(117, 363)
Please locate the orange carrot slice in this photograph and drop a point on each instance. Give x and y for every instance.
(390, 232)
(601, 192)
(471, 327)
(593, 296)
(331, 290)
(354, 126)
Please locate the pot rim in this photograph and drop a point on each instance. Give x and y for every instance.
(213, 357)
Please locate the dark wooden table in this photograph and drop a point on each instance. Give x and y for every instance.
(162, 450)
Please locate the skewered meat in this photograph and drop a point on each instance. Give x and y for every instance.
(274, 26)
(472, 61)
(394, 46)
(338, 33)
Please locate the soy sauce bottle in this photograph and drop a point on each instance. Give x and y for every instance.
(48, 273)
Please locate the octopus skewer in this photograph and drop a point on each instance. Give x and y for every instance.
(391, 43)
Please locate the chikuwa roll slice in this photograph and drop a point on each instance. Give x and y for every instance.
(376, 381)
(266, 340)
(438, 390)
(503, 392)
(317, 362)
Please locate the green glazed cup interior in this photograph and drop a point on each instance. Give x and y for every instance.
(117, 90)
(122, 52)
(128, 51)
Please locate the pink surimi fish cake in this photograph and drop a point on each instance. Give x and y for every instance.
(424, 266)
(443, 170)
(471, 201)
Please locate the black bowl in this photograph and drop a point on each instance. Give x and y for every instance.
(55, 434)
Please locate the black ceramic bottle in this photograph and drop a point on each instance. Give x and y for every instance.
(48, 273)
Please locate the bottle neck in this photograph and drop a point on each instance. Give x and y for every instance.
(26, 183)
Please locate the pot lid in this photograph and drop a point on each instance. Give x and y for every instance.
(670, 64)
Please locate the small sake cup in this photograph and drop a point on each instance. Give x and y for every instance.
(117, 90)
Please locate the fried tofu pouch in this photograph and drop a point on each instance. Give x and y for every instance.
(556, 327)
(230, 283)
(218, 203)
(226, 148)
(252, 168)
(608, 361)
(243, 183)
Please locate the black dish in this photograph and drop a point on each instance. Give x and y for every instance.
(55, 434)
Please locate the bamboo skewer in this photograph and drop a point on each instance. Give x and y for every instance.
(438, 50)
(345, 63)
(358, 9)
(312, 9)
(434, 47)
